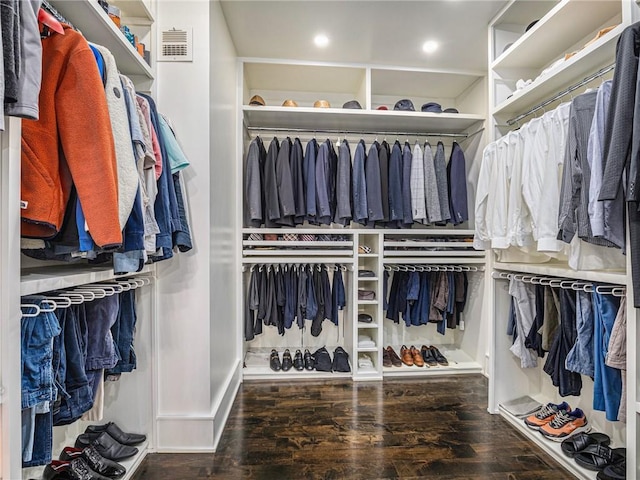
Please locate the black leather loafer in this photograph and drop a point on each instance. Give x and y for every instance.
(428, 356)
(441, 359)
(117, 434)
(106, 446)
(287, 362)
(97, 462)
(298, 362)
(76, 469)
(274, 361)
(309, 361)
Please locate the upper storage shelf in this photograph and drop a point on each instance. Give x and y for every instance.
(372, 87)
(597, 55)
(357, 120)
(549, 38)
(89, 17)
(137, 9)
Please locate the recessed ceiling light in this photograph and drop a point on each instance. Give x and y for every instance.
(429, 46)
(321, 40)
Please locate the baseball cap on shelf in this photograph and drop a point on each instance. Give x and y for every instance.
(382, 107)
(257, 100)
(431, 107)
(289, 103)
(404, 104)
(321, 104)
(530, 26)
(450, 110)
(352, 104)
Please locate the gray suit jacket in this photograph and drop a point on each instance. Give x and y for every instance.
(619, 127)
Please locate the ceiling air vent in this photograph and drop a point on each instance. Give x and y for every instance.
(176, 45)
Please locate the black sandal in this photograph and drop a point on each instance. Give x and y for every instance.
(597, 457)
(577, 443)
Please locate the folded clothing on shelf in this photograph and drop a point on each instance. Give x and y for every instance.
(366, 273)
(365, 362)
(365, 341)
(366, 295)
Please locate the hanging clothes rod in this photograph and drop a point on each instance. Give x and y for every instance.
(565, 283)
(284, 266)
(561, 94)
(80, 294)
(432, 268)
(361, 132)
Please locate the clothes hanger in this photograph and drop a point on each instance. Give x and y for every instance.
(49, 22)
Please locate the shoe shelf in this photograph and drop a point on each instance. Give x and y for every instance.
(550, 447)
(459, 363)
(256, 367)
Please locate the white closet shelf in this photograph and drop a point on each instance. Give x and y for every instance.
(585, 62)
(364, 326)
(367, 255)
(435, 253)
(265, 373)
(37, 280)
(367, 349)
(459, 363)
(550, 447)
(280, 252)
(296, 243)
(358, 120)
(97, 27)
(346, 260)
(428, 260)
(550, 269)
(432, 232)
(137, 9)
(134, 462)
(367, 279)
(418, 243)
(367, 302)
(549, 38)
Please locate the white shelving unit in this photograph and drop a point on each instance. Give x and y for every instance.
(563, 27)
(129, 401)
(89, 17)
(372, 86)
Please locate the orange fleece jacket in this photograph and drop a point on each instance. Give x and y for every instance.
(71, 143)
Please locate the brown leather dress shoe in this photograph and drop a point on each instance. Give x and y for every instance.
(417, 357)
(407, 357)
(395, 359)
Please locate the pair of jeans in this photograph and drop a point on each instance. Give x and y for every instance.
(69, 356)
(38, 389)
(568, 383)
(607, 381)
(102, 314)
(580, 357)
(123, 331)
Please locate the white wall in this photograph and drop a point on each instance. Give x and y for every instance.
(194, 358)
(225, 319)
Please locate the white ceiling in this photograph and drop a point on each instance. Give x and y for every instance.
(378, 32)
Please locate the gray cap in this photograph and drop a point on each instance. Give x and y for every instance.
(404, 104)
(450, 110)
(352, 104)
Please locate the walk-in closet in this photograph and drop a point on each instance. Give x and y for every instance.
(438, 193)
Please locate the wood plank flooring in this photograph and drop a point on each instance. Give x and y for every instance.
(436, 428)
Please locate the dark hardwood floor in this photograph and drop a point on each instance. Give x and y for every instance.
(435, 428)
